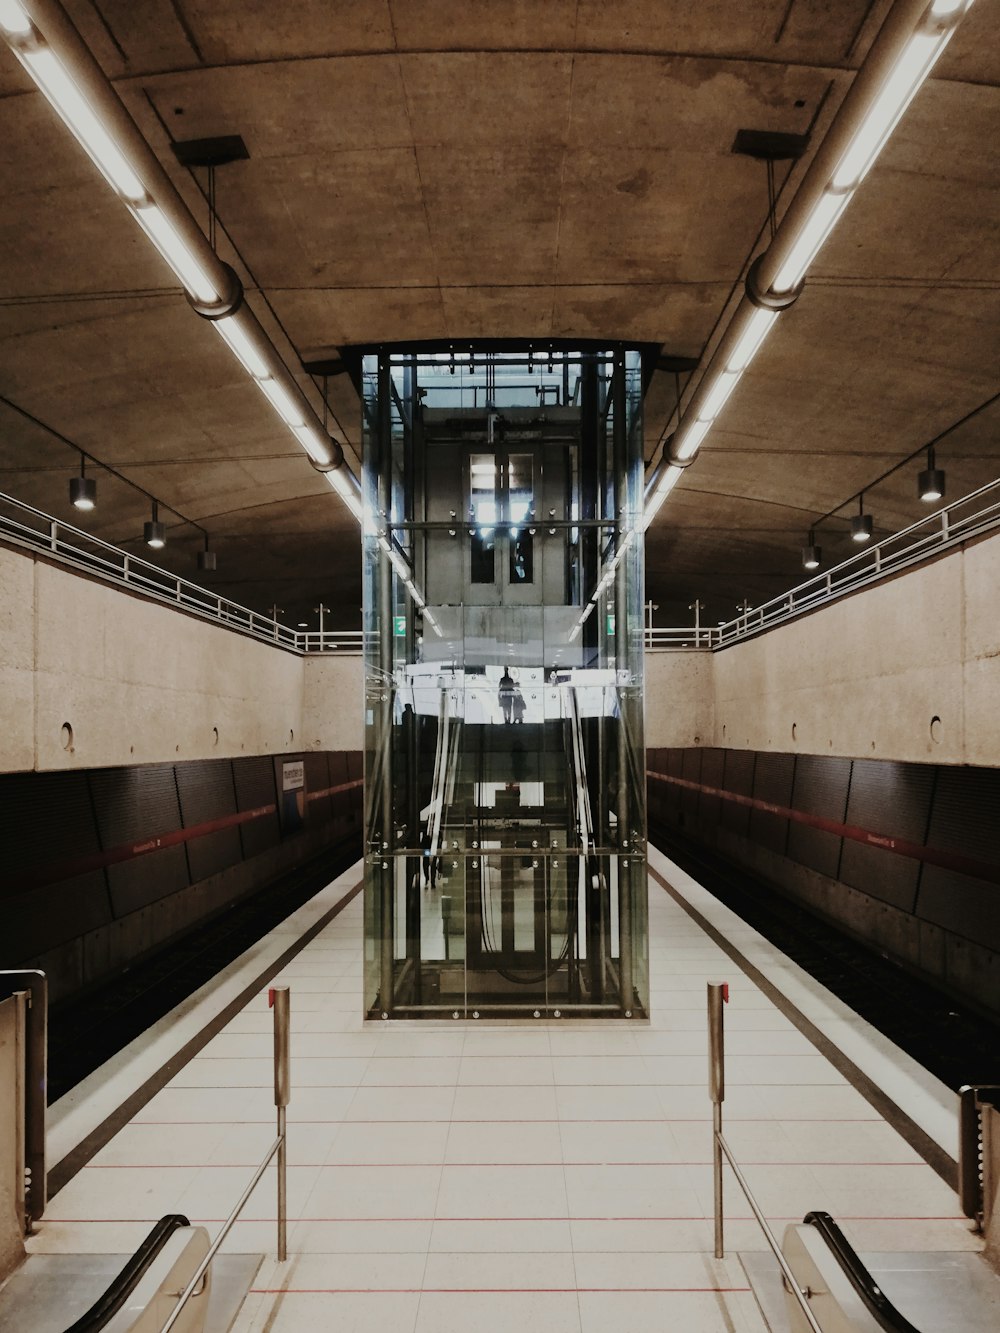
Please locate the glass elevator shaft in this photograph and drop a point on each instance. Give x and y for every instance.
(505, 870)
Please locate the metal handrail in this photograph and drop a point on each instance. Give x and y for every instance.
(280, 999)
(922, 540)
(871, 1295)
(718, 995)
(32, 528)
(34, 985)
(111, 1300)
(927, 537)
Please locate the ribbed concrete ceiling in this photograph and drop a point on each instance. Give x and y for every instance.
(456, 169)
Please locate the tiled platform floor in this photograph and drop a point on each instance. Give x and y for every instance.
(508, 1178)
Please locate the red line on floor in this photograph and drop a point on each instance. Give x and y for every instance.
(471, 1291)
(354, 1221)
(589, 1120)
(500, 1166)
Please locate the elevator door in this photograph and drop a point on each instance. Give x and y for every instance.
(502, 487)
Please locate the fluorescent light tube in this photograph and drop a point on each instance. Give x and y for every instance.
(344, 487)
(715, 399)
(313, 443)
(908, 73)
(691, 438)
(240, 342)
(56, 83)
(282, 401)
(668, 481)
(749, 342)
(817, 228)
(175, 251)
(14, 20)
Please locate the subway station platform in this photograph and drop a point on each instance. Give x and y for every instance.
(448, 1176)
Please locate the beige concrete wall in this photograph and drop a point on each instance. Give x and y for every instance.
(137, 682)
(332, 703)
(866, 677)
(680, 699)
(17, 662)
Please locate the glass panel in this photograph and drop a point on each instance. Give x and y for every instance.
(520, 510)
(483, 516)
(505, 817)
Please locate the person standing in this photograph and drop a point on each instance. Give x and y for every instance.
(506, 693)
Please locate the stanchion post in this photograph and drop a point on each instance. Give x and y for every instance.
(718, 995)
(280, 999)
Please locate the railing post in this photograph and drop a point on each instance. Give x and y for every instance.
(280, 998)
(718, 994)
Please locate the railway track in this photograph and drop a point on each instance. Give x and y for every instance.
(87, 1029)
(952, 1041)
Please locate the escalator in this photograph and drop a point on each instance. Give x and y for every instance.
(506, 875)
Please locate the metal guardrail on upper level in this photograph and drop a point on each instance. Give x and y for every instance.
(25, 526)
(971, 516)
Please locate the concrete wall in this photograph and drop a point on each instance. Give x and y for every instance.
(909, 669)
(680, 699)
(135, 681)
(333, 703)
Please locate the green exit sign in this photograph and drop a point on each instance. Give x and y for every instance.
(611, 624)
(399, 626)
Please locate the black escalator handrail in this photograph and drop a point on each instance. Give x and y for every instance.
(873, 1297)
(111, 1301)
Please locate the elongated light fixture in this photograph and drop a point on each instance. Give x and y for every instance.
(902, 56)
(343, 481)
(54, 54)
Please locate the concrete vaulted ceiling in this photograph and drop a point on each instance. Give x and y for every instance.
(459, 169)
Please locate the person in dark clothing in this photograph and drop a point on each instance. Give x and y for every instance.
(506, 692)
(517, 706)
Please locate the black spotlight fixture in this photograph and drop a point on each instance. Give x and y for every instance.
(154, 533)
(930, 483)
(83, 489)
(812, 554)
(861, 523)
(206, 558)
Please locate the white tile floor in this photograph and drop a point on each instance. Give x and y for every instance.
(487, 1179)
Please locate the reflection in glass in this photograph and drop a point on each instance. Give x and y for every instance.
(505, 861)
(483, 516)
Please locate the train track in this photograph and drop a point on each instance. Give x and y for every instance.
(952, 1041)
(86, 1030)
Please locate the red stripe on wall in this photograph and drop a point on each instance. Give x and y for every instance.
(81, 865)
(964, 865)
(57, 871)
(332, 791)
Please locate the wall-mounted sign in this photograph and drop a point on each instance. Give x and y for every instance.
(611, 624)
(399, 626)
(292, 777)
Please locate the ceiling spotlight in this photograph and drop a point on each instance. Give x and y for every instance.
(207, 558)
(812, 554)
(154, 533)
(83, 489)
(861, 523)
(930, 483)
